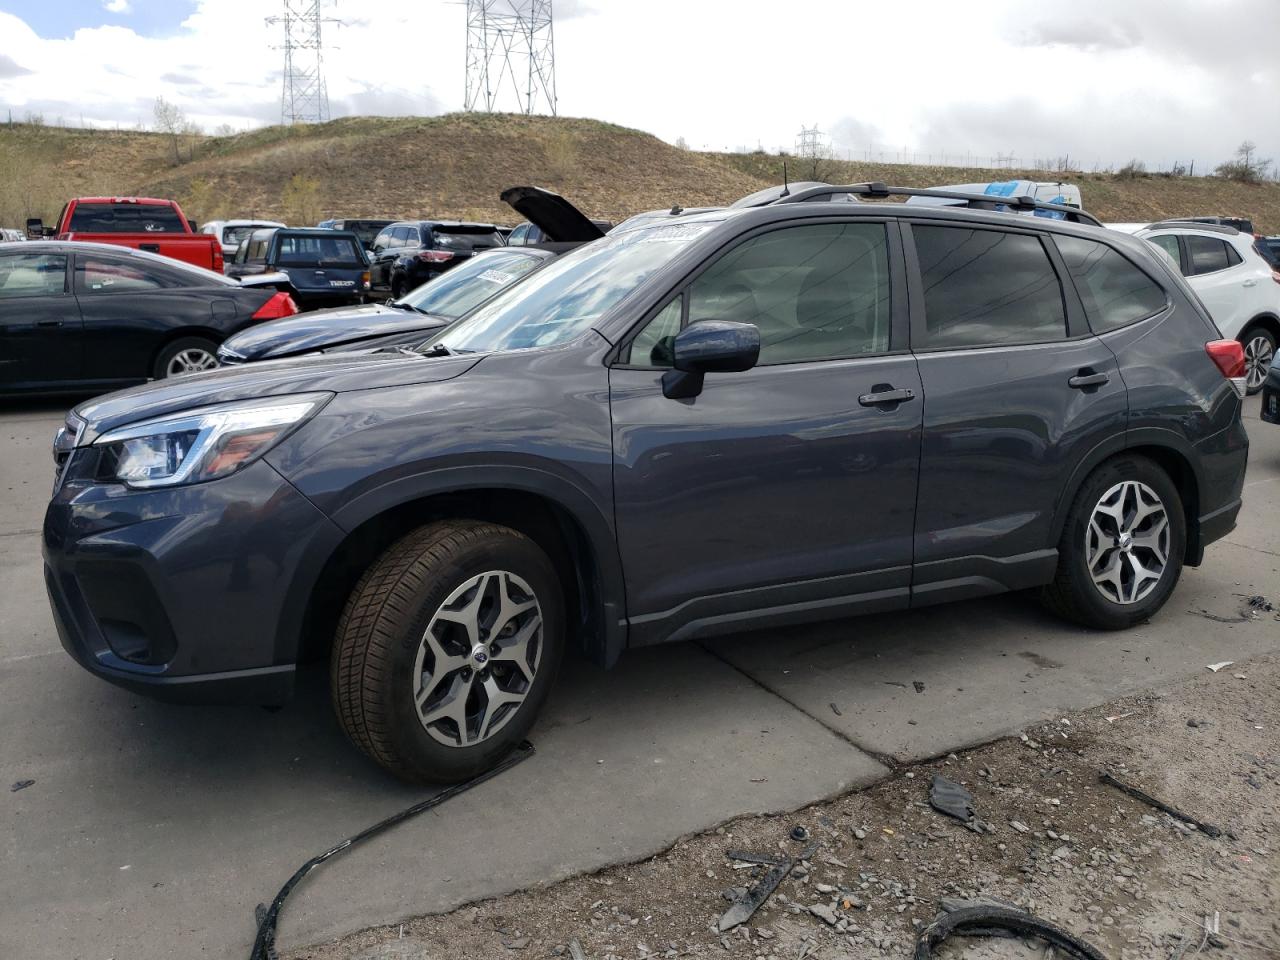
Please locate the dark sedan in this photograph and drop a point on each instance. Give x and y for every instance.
(82, 317)
(405, 321)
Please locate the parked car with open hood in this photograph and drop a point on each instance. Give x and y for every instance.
(406, 321)
(753, 417)
(409, 319)
(411, 252)
(327, 268)
(86, 317)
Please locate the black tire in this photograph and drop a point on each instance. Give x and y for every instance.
(381, 629)
(183, 345)
(1251, 337)
(1073, 594)
(397, 288)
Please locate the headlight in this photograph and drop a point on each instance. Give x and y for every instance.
(202, 444)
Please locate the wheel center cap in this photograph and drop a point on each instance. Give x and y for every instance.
(1125, 542)
(480, 655)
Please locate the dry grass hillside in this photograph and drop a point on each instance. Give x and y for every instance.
(455, 166)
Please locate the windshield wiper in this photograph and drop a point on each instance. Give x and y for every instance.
(436, 350)
(401, 305)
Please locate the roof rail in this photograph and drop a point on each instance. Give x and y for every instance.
(1194, 225)
(978, 201)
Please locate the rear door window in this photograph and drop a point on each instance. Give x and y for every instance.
(985, 288)
(1167, 242)
(1206, 254)
(1113, 290)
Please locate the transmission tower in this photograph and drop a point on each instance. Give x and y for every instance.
(511, 55)
(303, 97)
(811, 142)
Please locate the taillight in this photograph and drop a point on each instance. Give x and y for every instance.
(1275, 275)
(280, 305)
(1228, 356)
(435, 256)
(364, 279)
(218, 262)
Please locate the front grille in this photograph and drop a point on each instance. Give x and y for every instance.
(64, 442)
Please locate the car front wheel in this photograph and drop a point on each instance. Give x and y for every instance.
(446, 650)
(1121, 550)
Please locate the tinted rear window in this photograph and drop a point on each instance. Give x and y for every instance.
(125, 218)
(466, 238)
(314, 251)
(987, 288)
(365, 230)
(1113, 290)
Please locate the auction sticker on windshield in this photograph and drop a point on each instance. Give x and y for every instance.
(497, 276)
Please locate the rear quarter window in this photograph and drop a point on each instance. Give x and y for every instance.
(1114, 292)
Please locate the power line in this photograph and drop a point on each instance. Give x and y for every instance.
(303, 97)
(511, 56)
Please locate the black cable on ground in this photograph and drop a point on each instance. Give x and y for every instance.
(974, 920)
(264, 945)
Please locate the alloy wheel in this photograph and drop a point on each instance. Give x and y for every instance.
(1127, 542)
(1258, 354)
(478, 659)
(192, 360)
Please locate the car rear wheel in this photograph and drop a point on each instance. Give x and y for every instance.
(187, 355)
(397, 288)
(1121, 550)
(1259, 354)
(446, 650)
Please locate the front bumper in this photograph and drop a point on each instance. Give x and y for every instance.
(190, 593)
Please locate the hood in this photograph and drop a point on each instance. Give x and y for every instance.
(318, 329)
(551, 213)
(318, 373)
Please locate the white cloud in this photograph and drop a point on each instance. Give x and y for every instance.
(116, 6)
(1115, 81)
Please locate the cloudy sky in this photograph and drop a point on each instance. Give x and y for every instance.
(1097, 80)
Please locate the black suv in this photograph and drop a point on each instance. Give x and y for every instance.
(739, 419)
(407, 254)
(326, 268)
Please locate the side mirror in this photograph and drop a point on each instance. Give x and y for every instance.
(35, 228)
(192, 224)
(709, 346)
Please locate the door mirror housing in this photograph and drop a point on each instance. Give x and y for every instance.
(709, 346)
(35, 228)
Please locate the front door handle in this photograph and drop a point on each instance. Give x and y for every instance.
(1250, 283)
(881, 397)
(1086, 379)
(48, 323)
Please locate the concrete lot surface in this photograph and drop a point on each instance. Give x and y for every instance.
(153, 830)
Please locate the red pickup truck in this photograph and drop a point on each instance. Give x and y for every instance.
(144, 223)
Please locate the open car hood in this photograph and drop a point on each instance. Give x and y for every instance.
(551, 213)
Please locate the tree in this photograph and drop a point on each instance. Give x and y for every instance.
(224, 130)
(1247, 167)
(682, 143)
(200, 201)
(172, 121)
(301, 199)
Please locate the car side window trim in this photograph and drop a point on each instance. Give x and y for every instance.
(898, 293)
(1070, 282)
(915, 289)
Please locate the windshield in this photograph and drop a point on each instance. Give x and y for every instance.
(464, 288)
(562, 300)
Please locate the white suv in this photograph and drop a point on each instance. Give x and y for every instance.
(1235, 281)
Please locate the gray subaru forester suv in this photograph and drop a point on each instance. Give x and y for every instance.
(747, 418)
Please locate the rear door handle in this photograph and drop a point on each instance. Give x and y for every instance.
(48, 323)
(1250, 283)
(881, 397)
(149, 247)
(1082, 380)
